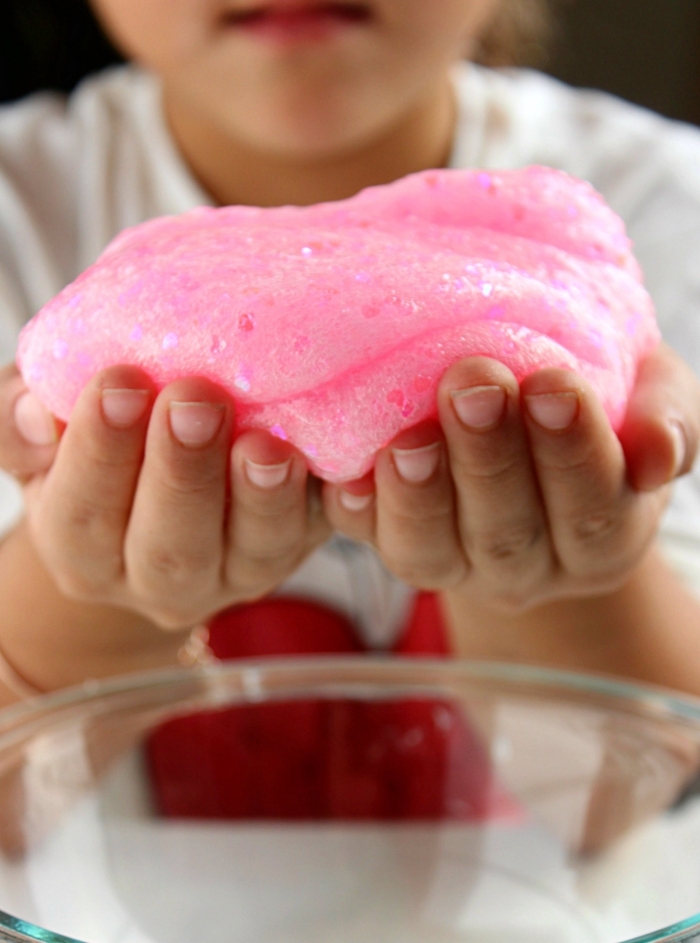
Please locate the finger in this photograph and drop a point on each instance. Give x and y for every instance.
(350, 507)
(599, 526)
(268, 523)
(501, 519)
(416, 533)
(80, 517)
(174, 542)
(28, 432)
(661, 430)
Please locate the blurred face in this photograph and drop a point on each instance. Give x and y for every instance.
(297, 77)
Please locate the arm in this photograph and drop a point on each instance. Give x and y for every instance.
(54, 641)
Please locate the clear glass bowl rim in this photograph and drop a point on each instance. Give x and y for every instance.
(652, 701)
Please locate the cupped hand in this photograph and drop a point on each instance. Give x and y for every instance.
(144, 503)
(523, 495)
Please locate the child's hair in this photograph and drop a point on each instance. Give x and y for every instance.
(519, 35)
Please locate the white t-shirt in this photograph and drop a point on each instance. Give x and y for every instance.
(75, 171)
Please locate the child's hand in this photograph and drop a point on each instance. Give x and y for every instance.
(526, 496)
(145, 506)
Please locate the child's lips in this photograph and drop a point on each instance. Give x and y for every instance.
(294, 20)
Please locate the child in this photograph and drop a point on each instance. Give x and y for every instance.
(533, 522)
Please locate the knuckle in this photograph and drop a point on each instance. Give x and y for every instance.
(83, 515)
(275, 505)
(182, 486)
(600, 527)
(605, 546)
(565, 465)
(98, 468)
(509, 544)
(176, 568)
(496, 469)
(84, 522)
(424, 521)
(102, 463)
(576, 454)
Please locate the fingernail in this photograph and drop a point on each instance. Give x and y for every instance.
(196, 424)
(355, 502)
(553, 411)
(479, 407)
(34, 422)
(679, 445)
(267, 476)
(417, 465)
(124, 408)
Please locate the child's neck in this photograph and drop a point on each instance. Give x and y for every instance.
(231, 172)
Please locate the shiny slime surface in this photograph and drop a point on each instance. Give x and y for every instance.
(331, 325)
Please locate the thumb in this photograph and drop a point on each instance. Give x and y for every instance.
(661, 430)
(28, 432)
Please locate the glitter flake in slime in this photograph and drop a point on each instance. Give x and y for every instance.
(332, 325)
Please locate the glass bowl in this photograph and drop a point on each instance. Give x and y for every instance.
(351, 800)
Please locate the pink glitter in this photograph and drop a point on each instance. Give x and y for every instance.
(59, 349)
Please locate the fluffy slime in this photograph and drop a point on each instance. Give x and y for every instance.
(332, 325)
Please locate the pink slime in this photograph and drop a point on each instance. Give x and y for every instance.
(331, 325)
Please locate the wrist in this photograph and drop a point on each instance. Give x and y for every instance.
(648, 630)
(52, 642)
